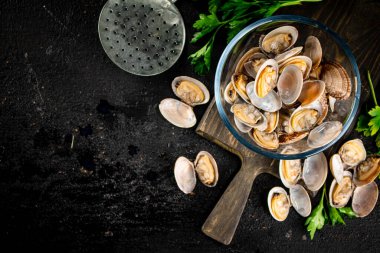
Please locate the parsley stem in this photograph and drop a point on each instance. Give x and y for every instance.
(371, 87)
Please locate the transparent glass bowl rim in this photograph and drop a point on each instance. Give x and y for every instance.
(303, 20)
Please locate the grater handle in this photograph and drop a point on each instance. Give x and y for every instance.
(222, 222)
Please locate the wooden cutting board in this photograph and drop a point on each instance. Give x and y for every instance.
(223, 220)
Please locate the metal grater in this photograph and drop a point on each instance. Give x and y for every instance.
(142, 37)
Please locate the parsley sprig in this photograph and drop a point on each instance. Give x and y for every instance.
(369, 123)
(319, 217)
(232, 15)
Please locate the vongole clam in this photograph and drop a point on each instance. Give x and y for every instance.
(338, 83)
(360, 187)
(274, 78)
(192, 92)
(204, 166)
(340, 193)
(313, 173)
(265, 139)
(279, 202)
(279, 39)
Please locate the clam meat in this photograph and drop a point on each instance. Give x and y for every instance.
(190, 90)
(265, 140)
(206, 169)
(353, 152)
(247, 114)
(340, 194)
(266, 78)
(367, 171)
(278, 203)
(279, 40)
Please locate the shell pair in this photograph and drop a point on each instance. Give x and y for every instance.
(204, 166)
(359, 185)
(191, 92)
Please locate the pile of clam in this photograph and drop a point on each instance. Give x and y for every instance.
(204, 166)
(280, 94)
(191, 92)
(300, 178)
(360, 183)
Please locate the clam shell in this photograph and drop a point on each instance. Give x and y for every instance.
(367, 171)
(345, 194)
(273, 119)
(187, 96)
(325, 108)
(265, 140)
(353, 152)
(311, 91)
(364, 199)
(304, 118)
(288, 138)
(302, 62)
(290, 84)
(337, 168)
(288, 54)
(314, 171)
(338, 83)
(247, 114)
(254, 63)
(241, 126)
(324, 134)
(290, 170)
(300, 200)
(286, 206)
(230, 94)
(184, 174)
(269, 45)
(270, 82)
(240, 81)
(313, 50)
(245, 58)
(206, 174)
(177, 113)
(269, 103)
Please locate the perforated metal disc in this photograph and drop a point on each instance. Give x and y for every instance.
(143, 37)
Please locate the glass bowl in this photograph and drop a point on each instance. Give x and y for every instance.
(334, 48)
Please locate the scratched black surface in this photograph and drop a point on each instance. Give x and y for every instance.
(112, 188)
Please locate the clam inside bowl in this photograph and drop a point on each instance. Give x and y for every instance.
(275, 84)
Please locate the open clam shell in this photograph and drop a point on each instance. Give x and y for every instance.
(337, 168)
(302, 62)
(177, 113)
(266, 78)
(304, 118)
(252, 66)
(184, 174)
(300, 200)
(340, 194)
(278, 203)
(324, 133)
(311, 91)
(206, 169)
(245, 58)
(290, 84)
(241, 126)
(273, 119)
(313, 50)
(190, 90)
(265, 140)
(270, 103)
(314, 171)
(364, 199)
(353, 152)
(367, 171)
(279, 39)
(240, 81)
(280, 58)
(230, 94)
(247, 114)
(290, 170)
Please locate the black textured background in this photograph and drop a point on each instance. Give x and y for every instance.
(115, 190)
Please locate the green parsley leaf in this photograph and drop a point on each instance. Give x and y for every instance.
(347, 211)
(378, 141)
(318, 217)
(205, 24)
(335, 216)
(213, 6)
(374, 123)
(201, 59)
(362, 125)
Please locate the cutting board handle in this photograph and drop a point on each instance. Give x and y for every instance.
(224, 218)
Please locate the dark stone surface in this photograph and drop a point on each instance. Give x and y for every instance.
(86, 159)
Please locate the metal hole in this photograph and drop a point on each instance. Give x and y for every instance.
(160, 63)
(167, 40)
(167, 58)
(123, 49)
(125, 8)
(111, 47)
(118, 14)
(143, 40)
(151, 67)
(107, 19)
(157, 55)
(163, 49)
(106, 29)
(129, 43)
(153, 20)
(136, 14)
(114, 32)
(172, 51)
(146, 49)
(117, 41)
(176, 34)
(125, 61)
(164, 22)
(137, 49)
(145, 15)
(130, 55)
(134, 5)
(123, 26)
(148, 58)
(117, 55)
(138, 23)
(153, 45)
(115, 22)
(146, 26)
(140, 32)
(108, 38)
(151, 9)
(159, 14)
(123, 35)
(142, 6)
(158, 37)
(116, 4)
(167, 31)
(133, 65)
(134, 38)
(111, 11)
(149, 35)
(142, 67)
(157, 28)
(139, 58)
(175, 25)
